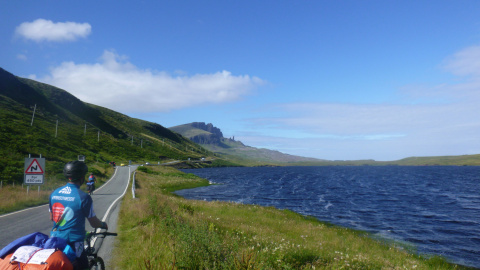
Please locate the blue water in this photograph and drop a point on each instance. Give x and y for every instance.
(437, 209)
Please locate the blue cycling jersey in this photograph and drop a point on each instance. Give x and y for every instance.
(91, 180)
(69, 207)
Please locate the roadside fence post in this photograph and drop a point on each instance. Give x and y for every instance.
(133, 185)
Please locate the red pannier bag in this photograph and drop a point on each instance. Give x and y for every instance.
(57, 260)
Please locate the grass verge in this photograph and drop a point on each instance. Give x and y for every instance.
(159, 230)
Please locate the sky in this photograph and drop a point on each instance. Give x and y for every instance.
(336, 80)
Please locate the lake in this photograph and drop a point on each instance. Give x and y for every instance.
(435, 208)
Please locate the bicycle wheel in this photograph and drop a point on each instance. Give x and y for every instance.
(97, 264)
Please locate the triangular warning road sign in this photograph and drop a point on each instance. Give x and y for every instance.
(34, 168)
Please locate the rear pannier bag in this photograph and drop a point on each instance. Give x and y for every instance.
(46, 259)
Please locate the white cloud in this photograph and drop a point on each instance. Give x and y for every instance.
(359, 119)
(380, 132)
(117, 84)
(466, 62)
(22, 57)
(430, 121)
(46, 30)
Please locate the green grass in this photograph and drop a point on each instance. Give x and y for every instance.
(159, 230)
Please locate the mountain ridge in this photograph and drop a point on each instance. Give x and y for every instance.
(211, 138)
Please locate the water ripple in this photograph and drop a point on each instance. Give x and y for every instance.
(436, 208)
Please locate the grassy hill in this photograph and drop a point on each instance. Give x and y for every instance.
(188, 131)
(64, 127)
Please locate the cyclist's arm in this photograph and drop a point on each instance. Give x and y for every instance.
(97, 223)
(87, 208)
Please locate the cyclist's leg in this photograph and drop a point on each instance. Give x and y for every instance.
(81, 262)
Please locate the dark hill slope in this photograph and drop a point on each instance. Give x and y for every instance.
(65, 127)
(16, 90)
(66, 101)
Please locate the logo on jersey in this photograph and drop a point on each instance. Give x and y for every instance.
(61, 214)
(65, 190)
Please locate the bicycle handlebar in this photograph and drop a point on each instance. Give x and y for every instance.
(103, 233)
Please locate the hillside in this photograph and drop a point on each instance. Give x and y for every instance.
(64, 127)
(211, 138)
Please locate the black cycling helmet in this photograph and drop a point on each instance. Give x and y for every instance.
(75, 170)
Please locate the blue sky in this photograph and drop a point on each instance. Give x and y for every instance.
(335, 80)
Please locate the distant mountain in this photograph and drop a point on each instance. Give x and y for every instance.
(211, 138)
(200, 133)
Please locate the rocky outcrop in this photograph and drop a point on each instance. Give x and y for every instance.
(206, 139)
(214, 136)
(208, 127)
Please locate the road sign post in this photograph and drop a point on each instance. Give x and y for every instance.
(34, 171)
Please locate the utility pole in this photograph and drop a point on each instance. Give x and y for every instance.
(33, 116)
(85, 131)
(98, 139)
(56, 129)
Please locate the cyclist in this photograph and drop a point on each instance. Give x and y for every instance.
(69, 206)
(91, 183)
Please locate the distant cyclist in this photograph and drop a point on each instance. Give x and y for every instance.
(69, 207)
(91, 183)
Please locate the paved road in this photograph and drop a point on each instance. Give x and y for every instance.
(106, 201)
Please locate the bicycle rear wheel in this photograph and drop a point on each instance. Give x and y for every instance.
(97, 264)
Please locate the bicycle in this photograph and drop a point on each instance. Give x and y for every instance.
(90, 189)
(94, 261)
